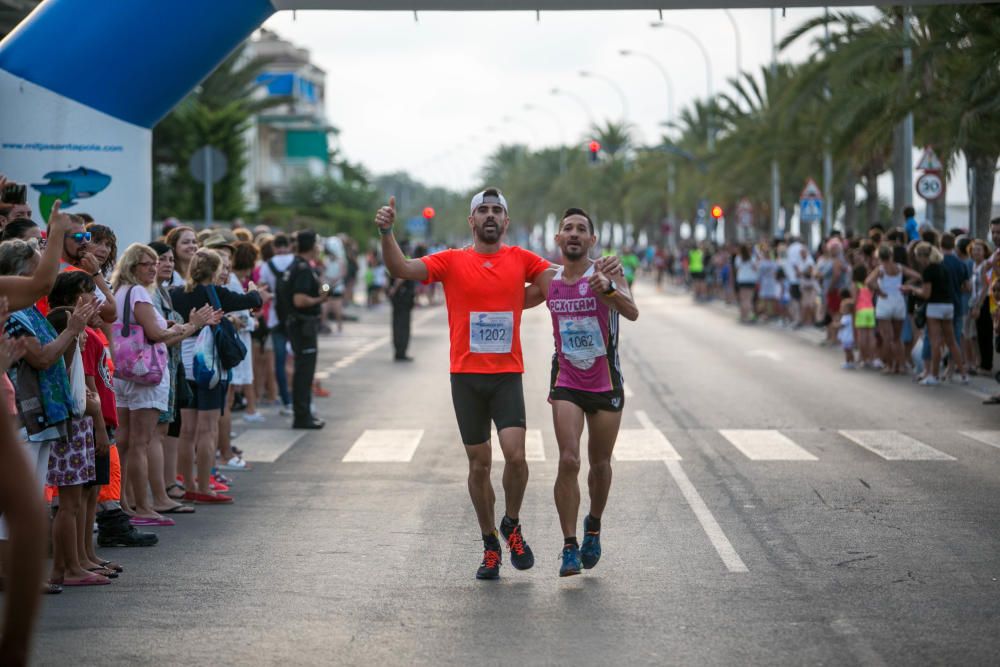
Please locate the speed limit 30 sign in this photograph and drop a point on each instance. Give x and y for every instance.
(930, 186)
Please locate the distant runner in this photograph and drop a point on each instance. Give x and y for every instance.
(586, 379)
(484, 286)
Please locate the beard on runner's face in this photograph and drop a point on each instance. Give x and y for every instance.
(490, 229)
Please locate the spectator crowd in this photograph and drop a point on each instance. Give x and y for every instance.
(909, 300)
(122, 370)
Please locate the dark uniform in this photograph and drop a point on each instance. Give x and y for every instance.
(303, 331)
(403, 294)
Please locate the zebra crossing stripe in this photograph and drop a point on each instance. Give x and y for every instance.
(766, 445)
(895, 446)
(644, 444)
(384, 446)
(265, 445)
(991, 438)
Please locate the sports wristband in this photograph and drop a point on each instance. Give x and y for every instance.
(383, 232)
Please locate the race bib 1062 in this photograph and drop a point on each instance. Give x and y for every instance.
(582, 340)
(491, 333)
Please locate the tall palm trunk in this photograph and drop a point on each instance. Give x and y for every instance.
(850, 199)
(871, 201)
(984, 166)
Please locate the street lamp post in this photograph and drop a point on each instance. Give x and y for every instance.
(738, 42)
(708, 71)
(560, 131)
(611, 82)
(671, 187)
(663, 72)
(579, 100)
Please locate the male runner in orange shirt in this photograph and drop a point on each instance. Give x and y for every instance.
(484, 290)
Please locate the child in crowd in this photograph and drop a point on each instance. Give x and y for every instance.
(845, 332)
(864, 317)
(809, 286)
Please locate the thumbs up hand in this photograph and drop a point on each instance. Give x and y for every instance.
(386, 216)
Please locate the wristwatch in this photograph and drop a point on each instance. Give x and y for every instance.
(611, 288)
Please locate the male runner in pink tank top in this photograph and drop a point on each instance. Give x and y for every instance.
(586, 379)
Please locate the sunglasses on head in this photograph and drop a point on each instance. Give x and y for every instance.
(81, 237)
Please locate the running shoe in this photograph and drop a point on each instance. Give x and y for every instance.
(490, 567)
(590, 550)
(570, 561)
(930, 381)
(521, 556)
(255, 418)
(960, 379)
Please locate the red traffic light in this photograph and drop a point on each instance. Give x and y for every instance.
(428, 213)
(716, 211)
(594, 146)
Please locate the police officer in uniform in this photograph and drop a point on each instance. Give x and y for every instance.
(307, 298)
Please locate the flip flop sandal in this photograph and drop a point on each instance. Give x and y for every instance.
(112, 566)
(179, 487)
(177, 509)
(51, 589)
(92, 580)
(104, 572)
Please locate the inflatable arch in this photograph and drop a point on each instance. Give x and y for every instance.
(82, 83)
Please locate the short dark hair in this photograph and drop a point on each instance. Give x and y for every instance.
(160, 248)
(995, 221)
(280, 241)
(69, 286)
(245, 256)
(947, 242)
(859, 273)
(909, 212)
(930, 236)
(578, 211)
(16, 228)
(305, 240)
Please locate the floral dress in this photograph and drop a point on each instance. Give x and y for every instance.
(72, 447)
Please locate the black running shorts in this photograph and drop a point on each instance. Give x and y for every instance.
(590, 401)
(483, 397)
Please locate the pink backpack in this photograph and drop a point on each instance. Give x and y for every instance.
(136, 359)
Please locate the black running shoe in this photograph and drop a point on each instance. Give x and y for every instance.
(521, 556)
(490, 567)
(590, 550)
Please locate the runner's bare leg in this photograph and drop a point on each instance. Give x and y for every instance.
(480, 486)
(515, 469)
(602, 427)
(568, 420)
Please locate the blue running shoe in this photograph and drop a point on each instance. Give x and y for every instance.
(590, 550)
(570, 561)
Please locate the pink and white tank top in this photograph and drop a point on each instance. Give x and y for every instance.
(586, 337)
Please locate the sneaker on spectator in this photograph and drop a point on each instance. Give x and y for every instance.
(255, 418)
(847, 366)
(877, 364)
(960, 379)
(235, 463)
(286, 411)
(930, 381)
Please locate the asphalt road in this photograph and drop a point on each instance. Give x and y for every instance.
(767, 508)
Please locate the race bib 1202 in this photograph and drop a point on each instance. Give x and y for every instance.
(491, 333)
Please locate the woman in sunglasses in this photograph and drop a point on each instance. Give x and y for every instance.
(79, 256)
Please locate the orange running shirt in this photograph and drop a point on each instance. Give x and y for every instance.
(485, 297)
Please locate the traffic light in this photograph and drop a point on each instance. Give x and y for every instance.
(595, 148)
(716, 211)
(428, 212)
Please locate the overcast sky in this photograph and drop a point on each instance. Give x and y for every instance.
(430, 96)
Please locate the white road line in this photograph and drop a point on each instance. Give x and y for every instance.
(895, 446)
(627, 390)
(644, 444)
(766, 445)
(384, 446)
(991, 438)
(321, 375)
(533, 449)
(264, 445)
(722, 545)
(361, 351)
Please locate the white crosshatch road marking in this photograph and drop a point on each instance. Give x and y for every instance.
(644, 444)
(766, 445)
(991, 438)
(384, 446)
(895, 446)
(265, 445)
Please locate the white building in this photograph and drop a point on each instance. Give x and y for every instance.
(294, 139)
